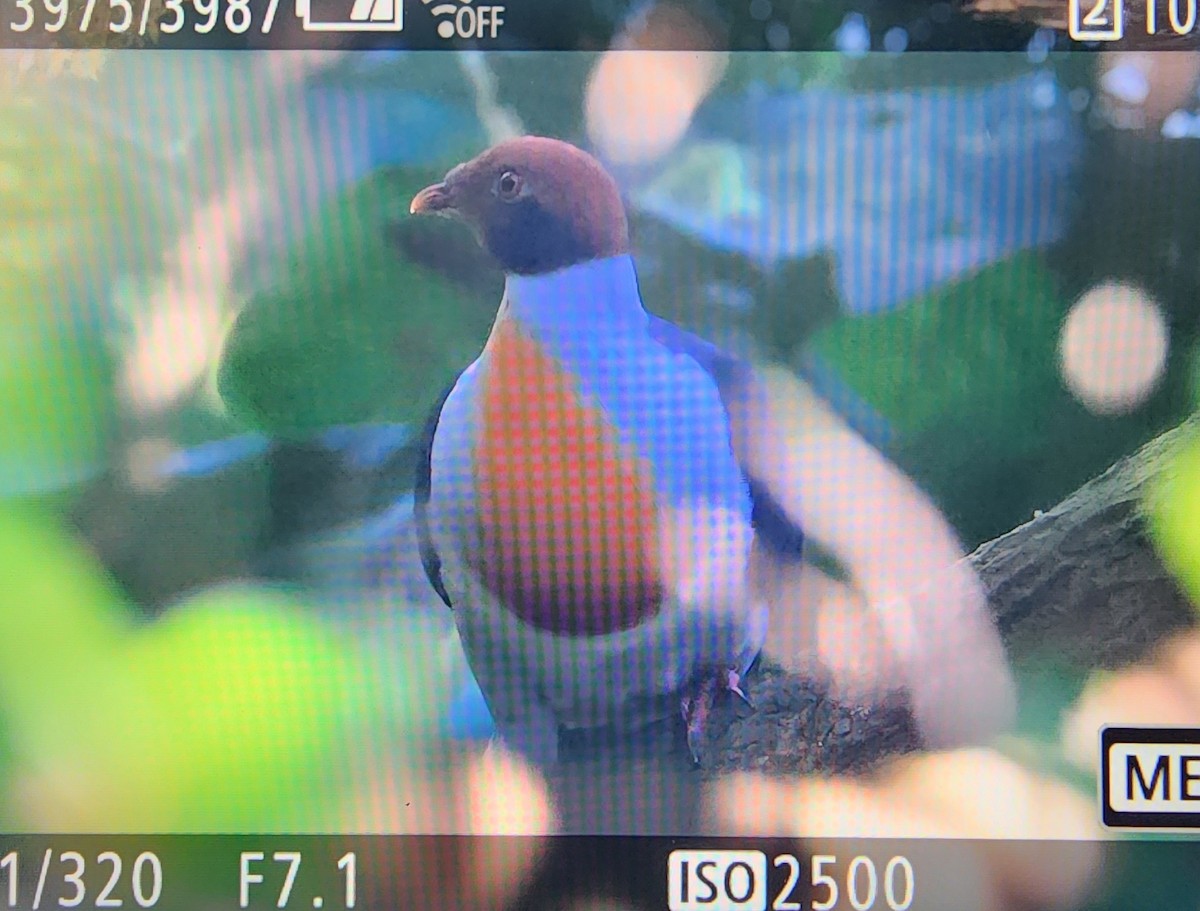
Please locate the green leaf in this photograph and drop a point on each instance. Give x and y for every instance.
(1048, 687)
(57, 408)
(968, 380)
(353, 331)
(1172, 506)
(975, 342)
(254, 714)
(73, 210)
(59, 615)
(238, 710)
(74, 214)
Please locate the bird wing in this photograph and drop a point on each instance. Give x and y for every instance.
(423, 490)
(737, 383)
(744, 400)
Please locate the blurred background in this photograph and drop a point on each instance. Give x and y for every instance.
(220, 328)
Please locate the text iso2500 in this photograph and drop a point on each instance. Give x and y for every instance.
(722, 880)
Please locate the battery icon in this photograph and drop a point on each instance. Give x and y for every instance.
(351, 15)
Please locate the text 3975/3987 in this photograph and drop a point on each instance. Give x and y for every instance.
(140, 17)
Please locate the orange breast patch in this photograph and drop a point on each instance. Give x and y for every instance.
(568, 522)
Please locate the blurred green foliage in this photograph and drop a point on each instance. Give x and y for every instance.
(973, 344)
(65, 199)
(1048, 686)
(235, 712)
(968, 379)
(1173, 506)
(353, 331)
(873, 72)
(66, 202)
(58, 409)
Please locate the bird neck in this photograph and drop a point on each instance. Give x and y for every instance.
(600, 296)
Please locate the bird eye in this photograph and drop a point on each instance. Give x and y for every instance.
(509, 185)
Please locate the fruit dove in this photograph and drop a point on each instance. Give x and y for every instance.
(580, 501)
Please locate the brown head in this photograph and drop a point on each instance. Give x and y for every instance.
(537, 205)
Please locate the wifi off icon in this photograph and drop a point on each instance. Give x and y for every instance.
(465, 20)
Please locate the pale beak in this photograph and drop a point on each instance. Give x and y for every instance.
(434, 198)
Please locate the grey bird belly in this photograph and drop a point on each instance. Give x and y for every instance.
(620, 679)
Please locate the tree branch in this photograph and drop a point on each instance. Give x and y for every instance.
(1080, 582)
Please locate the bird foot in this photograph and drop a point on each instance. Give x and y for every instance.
(697, 703)
(733, 683)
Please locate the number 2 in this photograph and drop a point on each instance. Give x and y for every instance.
(783, 901)
(104, 899)
(1095, 17)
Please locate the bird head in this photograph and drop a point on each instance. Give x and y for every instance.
(536, 205)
